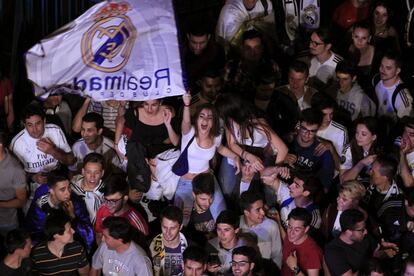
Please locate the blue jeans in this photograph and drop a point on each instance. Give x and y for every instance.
(227, 177)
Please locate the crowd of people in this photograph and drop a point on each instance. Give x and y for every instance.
(292, 153)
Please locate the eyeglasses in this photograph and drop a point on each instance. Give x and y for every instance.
(111, 201)
(239, 264)
(316, 43)
(307, 131)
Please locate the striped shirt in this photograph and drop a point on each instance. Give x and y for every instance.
(72, 259)
(93, 199)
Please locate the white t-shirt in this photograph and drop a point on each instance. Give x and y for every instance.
(403, 101)
(234, 14)
(324, 71)
(198, 157)
(34, 160)
(337, 134)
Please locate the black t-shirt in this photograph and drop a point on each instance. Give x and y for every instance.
(203, 222)
(24, 269)
(341, 257)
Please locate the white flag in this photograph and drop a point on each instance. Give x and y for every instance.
(124, 50)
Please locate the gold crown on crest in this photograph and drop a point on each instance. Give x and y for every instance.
(112, 9)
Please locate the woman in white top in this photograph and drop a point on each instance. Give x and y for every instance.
(207, 140)
(358, 156)
(249, 136)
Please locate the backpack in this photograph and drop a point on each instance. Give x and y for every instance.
(402, 86)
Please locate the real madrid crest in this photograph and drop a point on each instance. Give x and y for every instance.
(107, 45)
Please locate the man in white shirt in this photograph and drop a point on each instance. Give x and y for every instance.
(390, 105)
(93, 141)
(254, 221)
(324, 61)
(40, 147)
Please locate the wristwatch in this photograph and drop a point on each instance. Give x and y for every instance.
(296, 270)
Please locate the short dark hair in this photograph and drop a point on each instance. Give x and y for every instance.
(116, 184)
(16, 239)
(203, 183)
(325, 35)
(301, 214)
(346, 67)
(311, 183)
(55, 224)
(118, 228)
(321, 101)
(198, 27)
(195, 253)
(362, 25)
(228, 217)
(93, 117)
(246, 251)
(388, 166)
(247, 198)
(311, 116)
(56, 176)
(172, 213)
(396, 57)
(94, 157)
(299, 66)
(33, 109)
(251, 34)
(349, 218)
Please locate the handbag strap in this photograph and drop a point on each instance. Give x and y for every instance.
(189, 143)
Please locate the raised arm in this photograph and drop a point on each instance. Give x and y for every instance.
(186, 122)
(77, 121)
(172, 135)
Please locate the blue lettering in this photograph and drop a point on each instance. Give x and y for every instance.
(111, 81)
(95, 84)
(145, 80)
(79, 84)
(132, 83)
(162, 74)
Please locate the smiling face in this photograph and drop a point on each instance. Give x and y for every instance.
(92, 174)
(360, 38)
(90, 133)
(241, 266)
(35, 126)
(380, 16)
(170, 229)
(205, 121)
(115, 202)
(296, 231)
